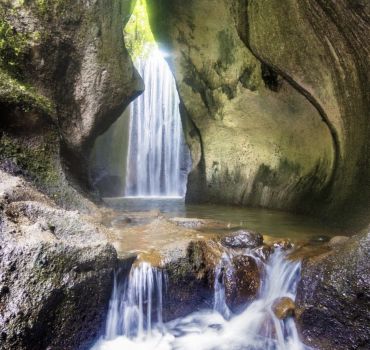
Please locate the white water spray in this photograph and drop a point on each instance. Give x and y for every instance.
(158, 159)
(256, 328)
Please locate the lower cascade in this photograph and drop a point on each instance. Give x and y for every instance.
(135, 315)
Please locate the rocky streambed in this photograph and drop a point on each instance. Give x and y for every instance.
(58, 267)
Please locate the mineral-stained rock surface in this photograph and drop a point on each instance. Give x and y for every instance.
(191, 277)
(333, 300)
(56, 272)
(275, 106)
(250, 132)
(322, 48)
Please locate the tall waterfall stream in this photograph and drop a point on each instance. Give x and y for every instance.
(158, 158)
(131, 326)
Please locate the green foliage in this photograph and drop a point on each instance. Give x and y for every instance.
(13, 46)
(139, 38)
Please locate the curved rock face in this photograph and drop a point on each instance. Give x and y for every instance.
(274, 107)
(254, 139)
(333, 298)
(322, 48)
(73, 53)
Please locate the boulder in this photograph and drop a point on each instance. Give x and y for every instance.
(56, 272)
(243, 239)
(283, 308)
(337, 240)
(242, 281)
(333, 297)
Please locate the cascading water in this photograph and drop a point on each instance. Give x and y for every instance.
(129, 324)
(132, 306)
(158, 158)
(219, 301)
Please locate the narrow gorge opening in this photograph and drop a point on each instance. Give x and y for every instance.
(144, 153)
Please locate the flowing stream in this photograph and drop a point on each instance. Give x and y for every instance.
(158, 159)
(130, 325)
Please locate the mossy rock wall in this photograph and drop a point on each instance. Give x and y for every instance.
(255, 139)
(64, 72)
(322, 48)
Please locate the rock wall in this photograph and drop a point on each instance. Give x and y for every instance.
(333, 299)
(274, 100)
(67, 78)
(322, 48)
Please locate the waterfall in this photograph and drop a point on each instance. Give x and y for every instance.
(219, 301)
(130, 320)
(132, 303)
(158, 158)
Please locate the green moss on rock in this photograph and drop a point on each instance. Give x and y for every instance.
(13, 45)
(14, 92)
(37, 161)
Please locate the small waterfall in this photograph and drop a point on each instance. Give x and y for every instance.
(133, 303)
(130, 321)
(258, 326)
(158, 158)
(219, 302)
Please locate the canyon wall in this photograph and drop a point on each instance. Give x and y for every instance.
(66, 77)
(274, 101)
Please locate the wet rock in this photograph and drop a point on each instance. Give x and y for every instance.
(275, 242)
(243, 239)
(338, 240)
(204, 255)
(307, 251)
(188, 288)
(52, 282)
(242, 281)
(264, 252)
(283, 308)
(333, 297)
